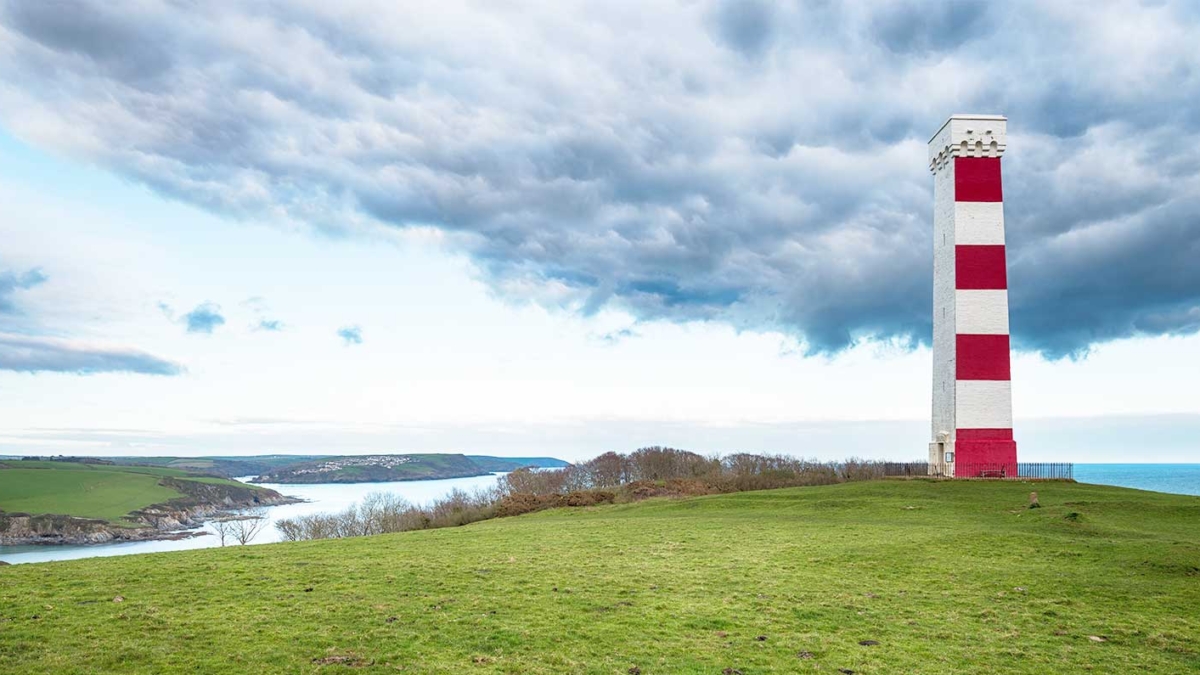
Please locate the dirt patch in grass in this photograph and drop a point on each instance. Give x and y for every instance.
(348, 660)
(645, 489)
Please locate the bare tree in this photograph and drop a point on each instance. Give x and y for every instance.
(609, 470)
(533, 482)
(249, 526)
(241, 528)
(224, 529)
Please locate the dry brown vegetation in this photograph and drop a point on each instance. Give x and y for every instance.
(607, 479)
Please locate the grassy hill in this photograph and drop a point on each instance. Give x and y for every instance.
(79, 492)
(106, 492)
(489, 463)
(947, 577)
(228, 467)
(374, 468)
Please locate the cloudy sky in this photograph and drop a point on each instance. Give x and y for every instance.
(568, 227)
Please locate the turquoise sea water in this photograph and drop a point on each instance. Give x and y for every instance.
(1182, 479)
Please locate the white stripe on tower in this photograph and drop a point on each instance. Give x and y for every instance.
(981, 312)
(979, 223)
(972, 395)
(981, 404)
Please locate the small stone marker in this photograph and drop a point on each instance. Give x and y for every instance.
(1033, 501)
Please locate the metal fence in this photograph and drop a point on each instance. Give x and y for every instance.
(907, 469)
(1031, 470)
(1059, 470)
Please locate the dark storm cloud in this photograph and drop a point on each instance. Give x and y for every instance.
(745, 25)
(32, 354)
(99, 33)
(922, 26)
(754, 163)
(204, 318)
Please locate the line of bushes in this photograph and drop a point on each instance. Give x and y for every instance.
(608, 479)
(382, 512)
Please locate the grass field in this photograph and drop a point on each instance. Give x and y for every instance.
(946, 577)
(349, 470)
(102, 491)
(107, 495)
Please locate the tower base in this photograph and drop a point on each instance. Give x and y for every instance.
(985, 459)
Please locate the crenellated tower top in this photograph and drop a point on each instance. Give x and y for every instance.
(968, 136)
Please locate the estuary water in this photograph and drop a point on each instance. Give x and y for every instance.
(320, 498)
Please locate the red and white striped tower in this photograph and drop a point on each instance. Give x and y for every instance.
(972, 392)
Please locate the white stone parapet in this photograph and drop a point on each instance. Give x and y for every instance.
(968, 136)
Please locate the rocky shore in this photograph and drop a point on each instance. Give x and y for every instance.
(201, 502)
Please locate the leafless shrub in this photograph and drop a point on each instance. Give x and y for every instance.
(647, 472)
(241, 528)
(246, 528)
(290, 529)
(658, 463)
(314, 526)
(517, 504)
(382, 513)
(224, 530)
(534, 482)
(860, 469)
(460, 508)
(607, 470)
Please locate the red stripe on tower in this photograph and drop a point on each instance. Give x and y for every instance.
(980, 267)
(985, 435)
(982, 357)
(977, 179)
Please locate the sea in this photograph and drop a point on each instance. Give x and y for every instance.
(1181, 479)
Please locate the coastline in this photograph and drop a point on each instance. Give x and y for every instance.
(169, 521)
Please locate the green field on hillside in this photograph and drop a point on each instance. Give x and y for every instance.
(221, 466)
(102, 491)
(374, 468)
(874, 577)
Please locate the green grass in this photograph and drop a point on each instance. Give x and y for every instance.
(948, 577)
(419, 467)
(101, 491)
(107, 495)
(218, 481)
(192, 464)
(45, 464)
